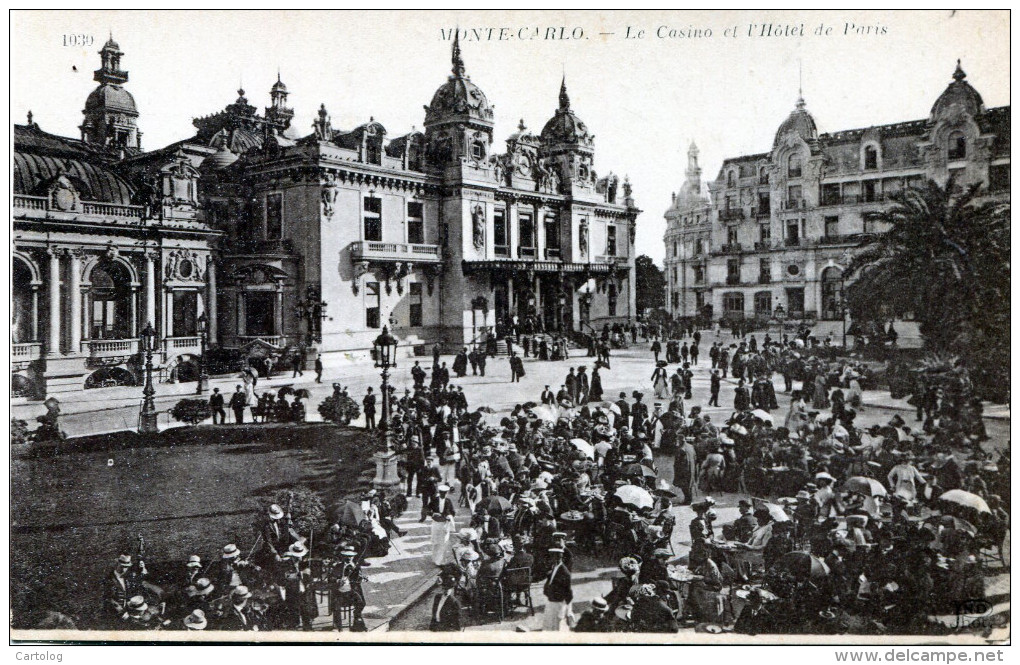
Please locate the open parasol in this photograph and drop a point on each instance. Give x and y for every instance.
(351, 514)
(763, 415)
(636, 469)
(964, 500)
(865, 486)
(603, 447)
(956, 522)
(485, 409)
(584, 447)
(802, 565)
(635, 496)
(495, 503)
(546, 413)
(607, 406)
(777, 513)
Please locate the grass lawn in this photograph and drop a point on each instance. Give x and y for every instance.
(186, 491)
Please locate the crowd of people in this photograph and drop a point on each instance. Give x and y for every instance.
(840, 528)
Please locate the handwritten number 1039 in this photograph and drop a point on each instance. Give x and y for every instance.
(79, 40)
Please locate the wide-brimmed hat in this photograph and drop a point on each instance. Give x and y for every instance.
(703, 505)
(137, 604)
(194, 561)
(348, 551)
(203, 587)
(196, 621)
(443, 488)
(240, 593)
(661, 553)
(296, 551)
(623, 610)
(275, 512)
(230, 551)
(124, 559)
(599, 604)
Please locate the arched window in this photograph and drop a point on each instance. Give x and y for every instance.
(793, 169)
(870, 157)
(832, 294)
(111, 302)
(21, 303)
(957, 145)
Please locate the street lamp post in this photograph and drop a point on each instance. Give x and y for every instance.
(147, 417)
(843, 310)
(385, 348)
(203, 335)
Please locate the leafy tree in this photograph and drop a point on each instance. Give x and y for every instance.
(944, 258)
(191, 411)
(651, 284)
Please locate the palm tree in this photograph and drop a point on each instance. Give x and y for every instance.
(944, 258)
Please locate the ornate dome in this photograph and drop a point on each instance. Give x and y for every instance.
(459, 99)
(565, 126)
(219, 159)
(959, 92)
(801, 122)
(111, 97)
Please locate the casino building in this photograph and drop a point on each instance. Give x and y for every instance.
(782, 225)
(254, 239)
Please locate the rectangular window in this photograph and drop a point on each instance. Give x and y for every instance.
(731, 236)
(259, 313)
(414, 293)
(832, 226)
(764, 271)
(957, 147)
(274, 216)
(500, 237)
(793, 233)
(526, 234)
(674, 274)
(699, 274)
(733, 271)
(764, 234)
(830, 194)
(699, 300)
(763, 303)
(871, 190)
(611, 240)
(998, 177)
(415, 223)
(185, 313)
(612, 299)
(552, 233)
(372, 304)
(793, 196)
(764, 205)
(795, 301)
(373, 218)
(698, 248)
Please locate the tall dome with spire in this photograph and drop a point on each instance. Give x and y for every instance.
(110, 111)
(459, 100)
(799, 121)
(565, 129)
(960, 93)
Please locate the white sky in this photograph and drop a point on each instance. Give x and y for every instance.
(644, 99)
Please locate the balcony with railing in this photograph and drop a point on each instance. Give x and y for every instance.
(762, 246)
(368, 250)
(851, 199)
(26, 351)
(502, 251)
(765, 278)
(607, 258)
(732, 280)
(840, 239)
(731, 214)
(179, 344)
(108, 348)
(96, 208)
(527, 252)
(792, 242)
(552, 253)
(761, 212)
(731, 248)
(794, 204)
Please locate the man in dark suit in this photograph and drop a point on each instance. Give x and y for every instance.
(548, 397)
(624, 419)
(558, 593)
(241, 616)
(516, 368)
(583, 385)
(369, 405)
(481, 363)
(318, 368)
(219, 414)
(638, 413)
(237, 403)
(123, 583)
(571, 383)
(277, 536)
(446, 607)
(716, 384)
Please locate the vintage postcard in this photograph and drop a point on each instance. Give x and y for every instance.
(519, 327)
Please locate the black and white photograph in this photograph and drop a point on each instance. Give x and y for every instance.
(511, 327)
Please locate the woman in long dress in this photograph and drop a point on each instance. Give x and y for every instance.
(442, 510)
(821, 392)
(660, 382)
(595, 391)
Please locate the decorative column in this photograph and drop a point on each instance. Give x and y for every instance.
(278, 312)
(74, 290)
(168, 314)
(134, 311)
(150, 288)
(211, 301)
(35, 312)
(53, 342)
